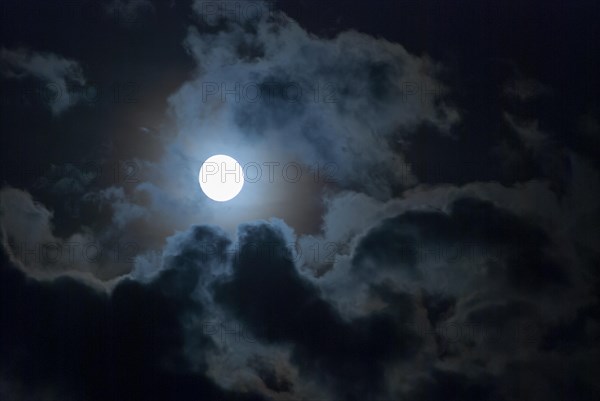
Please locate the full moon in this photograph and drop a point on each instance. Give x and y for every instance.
(221, 178)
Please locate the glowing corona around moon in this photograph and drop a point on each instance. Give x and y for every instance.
(221, 178)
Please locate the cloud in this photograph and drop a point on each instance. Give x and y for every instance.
(268, 295)
(405, 290)
(335, 115)
(22, 218)
(31, 241)
(129, 12)
(247, 306)
(59, 75)
(275, 92)
(528, 131)
(537, 150)
(524, 89)
(135, 332)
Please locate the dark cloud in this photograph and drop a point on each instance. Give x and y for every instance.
(447, 250)
(128, 11)
(60, 76)
(99, 346)
(142, 327)
(270, 296)
(477, 226)
(445, 385)
(270, 377)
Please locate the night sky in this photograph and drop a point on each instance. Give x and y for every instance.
(419, 218)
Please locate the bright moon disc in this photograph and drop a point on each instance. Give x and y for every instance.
(221, 178)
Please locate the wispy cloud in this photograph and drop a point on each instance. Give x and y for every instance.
(59, 74)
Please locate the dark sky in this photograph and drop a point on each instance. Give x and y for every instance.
(422, 223)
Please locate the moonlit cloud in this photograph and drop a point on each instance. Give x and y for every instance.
(340, 271)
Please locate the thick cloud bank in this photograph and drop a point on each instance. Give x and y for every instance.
(408, 289)
(426, 303)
